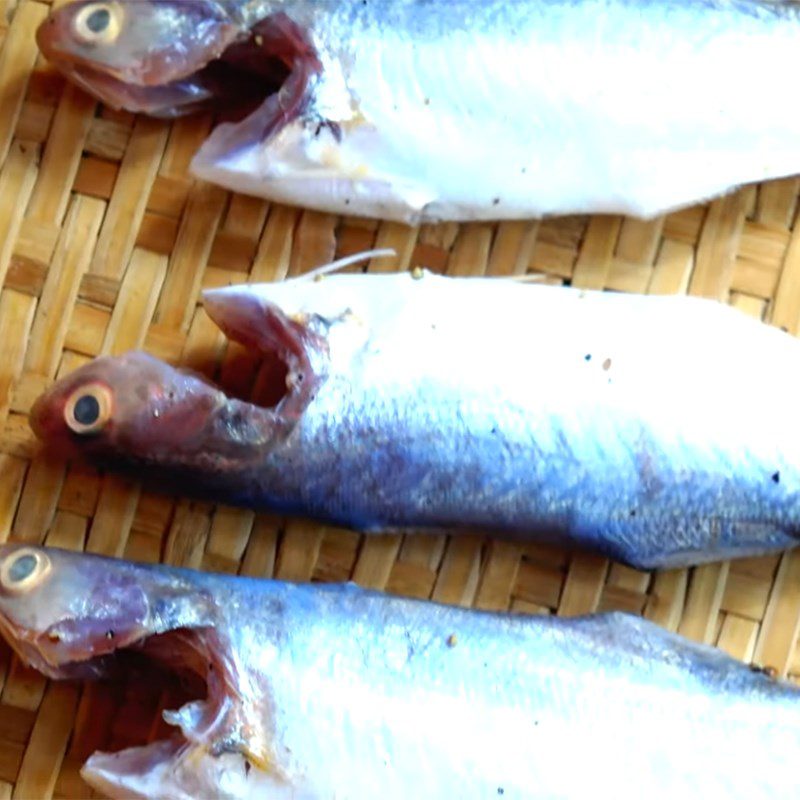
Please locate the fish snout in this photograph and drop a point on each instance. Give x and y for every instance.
(46, 36)
(44, 422)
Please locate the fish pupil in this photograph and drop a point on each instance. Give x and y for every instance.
(98, 20)
(87, 410)
(22, 568)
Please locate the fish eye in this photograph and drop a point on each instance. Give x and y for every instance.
(98, 23)
(88, 409)
(24, 570)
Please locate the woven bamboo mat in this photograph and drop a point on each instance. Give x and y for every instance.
(105, 244)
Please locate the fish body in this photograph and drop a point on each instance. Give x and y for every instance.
(418, 110)
(659, 431)
(331, 691)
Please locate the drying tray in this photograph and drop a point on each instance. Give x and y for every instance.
(105, 244)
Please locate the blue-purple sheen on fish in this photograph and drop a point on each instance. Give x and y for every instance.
(314, 691)
(419, 110)
(660, 431)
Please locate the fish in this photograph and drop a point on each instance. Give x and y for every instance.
(659, 431)
(329, 690)
(421, 111)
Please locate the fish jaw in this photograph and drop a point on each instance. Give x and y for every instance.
(216, 746)
(171, 769)
(167, 101)
(137, 772)
(75, 615)
(313, 145)
(303, 163)
(299, 340)
(343, 307)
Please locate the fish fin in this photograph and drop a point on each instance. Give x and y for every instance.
(262, 326)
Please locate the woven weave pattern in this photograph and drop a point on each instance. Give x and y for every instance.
(105, 244)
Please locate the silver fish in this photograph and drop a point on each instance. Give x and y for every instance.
(328, 691)
(660, 431)
(419, 110)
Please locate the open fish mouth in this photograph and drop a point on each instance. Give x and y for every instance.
(153, 645)
(175, 682)
(178, 681)
(219, 86)
(170, 100)
(148, 414)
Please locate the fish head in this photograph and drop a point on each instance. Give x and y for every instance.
(131, 406)
(72, 615)
(136, 55)
(59, 609)
(135, 412)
